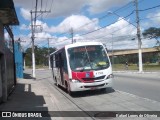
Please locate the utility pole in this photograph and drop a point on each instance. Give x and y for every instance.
(33, 54)
(24, 64)
(112, 53)
(72, 34)
(139, 39)
(33, 36)
(49, 63)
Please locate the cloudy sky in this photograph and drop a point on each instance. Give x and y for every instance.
(111, 22)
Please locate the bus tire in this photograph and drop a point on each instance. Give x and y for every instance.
(68, 89)
(56, 81)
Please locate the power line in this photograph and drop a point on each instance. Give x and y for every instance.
(98, 18)
(149, 8)
(124, 6)
(106, 15)
(102, 28)
(106, 25)
(149, 17)
(112, 23)
(117, 21)
(97, 30)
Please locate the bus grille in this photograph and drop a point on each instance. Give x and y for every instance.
(94, 86)
(97, 78)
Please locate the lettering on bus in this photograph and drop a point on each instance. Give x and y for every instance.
(82, 49)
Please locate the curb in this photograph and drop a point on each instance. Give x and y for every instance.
(136, 72)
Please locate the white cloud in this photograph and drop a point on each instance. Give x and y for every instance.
(67, 7)
(25, 13)
(155, 17)
(153, 20)
(97, 6)
(24, 27)
(75, 22)
(60, 42)
(120, 28)
(6, 36)
(40, 39)
(79, 23)
(122, 33)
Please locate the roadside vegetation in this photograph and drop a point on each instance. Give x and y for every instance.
(41, 56)
(134, 67)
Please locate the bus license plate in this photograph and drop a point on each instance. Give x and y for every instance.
(93, 88)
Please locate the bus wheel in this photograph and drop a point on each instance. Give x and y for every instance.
(56, 82)
(68, 89)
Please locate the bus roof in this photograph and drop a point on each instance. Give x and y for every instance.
(78, 44)
(82, 44)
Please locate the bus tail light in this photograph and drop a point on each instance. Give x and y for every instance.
(110, 76)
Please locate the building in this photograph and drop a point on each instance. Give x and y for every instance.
(7, 62)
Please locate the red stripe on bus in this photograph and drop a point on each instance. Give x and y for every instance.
(81, 75)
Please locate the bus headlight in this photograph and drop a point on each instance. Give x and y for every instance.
(75, 81)
(110, 76)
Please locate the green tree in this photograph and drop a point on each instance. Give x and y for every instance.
(41, 55)
(152, 32)
(28, 57)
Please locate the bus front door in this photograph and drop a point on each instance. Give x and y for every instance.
(61, 69)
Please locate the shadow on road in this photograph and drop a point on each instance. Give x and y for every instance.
(93, 92)
(88, 92)
(44, 78)
(23, 99)
(27, 76)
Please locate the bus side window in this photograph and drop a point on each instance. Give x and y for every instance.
(51, 61)
(64, 61)
(57, 61)
(54, 62)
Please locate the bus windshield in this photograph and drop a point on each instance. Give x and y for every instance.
(85, 58)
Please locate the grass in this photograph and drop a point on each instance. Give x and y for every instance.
(146, 67)
(121, 67)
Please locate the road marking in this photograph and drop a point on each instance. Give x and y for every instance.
(136, 96)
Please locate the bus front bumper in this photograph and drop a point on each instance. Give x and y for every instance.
(80, 86)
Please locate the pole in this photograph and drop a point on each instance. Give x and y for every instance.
(49, 63)
(32, 37)
(72, 34)
(112, 52)
(24, 64)
(33, 54)
(139, 39)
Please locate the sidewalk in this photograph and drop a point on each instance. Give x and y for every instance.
(27, 96)
(39, 95)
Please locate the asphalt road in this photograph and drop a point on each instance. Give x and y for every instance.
(146, 85)
(41, 93)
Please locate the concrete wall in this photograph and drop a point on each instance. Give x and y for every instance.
(6, 68)
(1, 58)
(0, 79)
